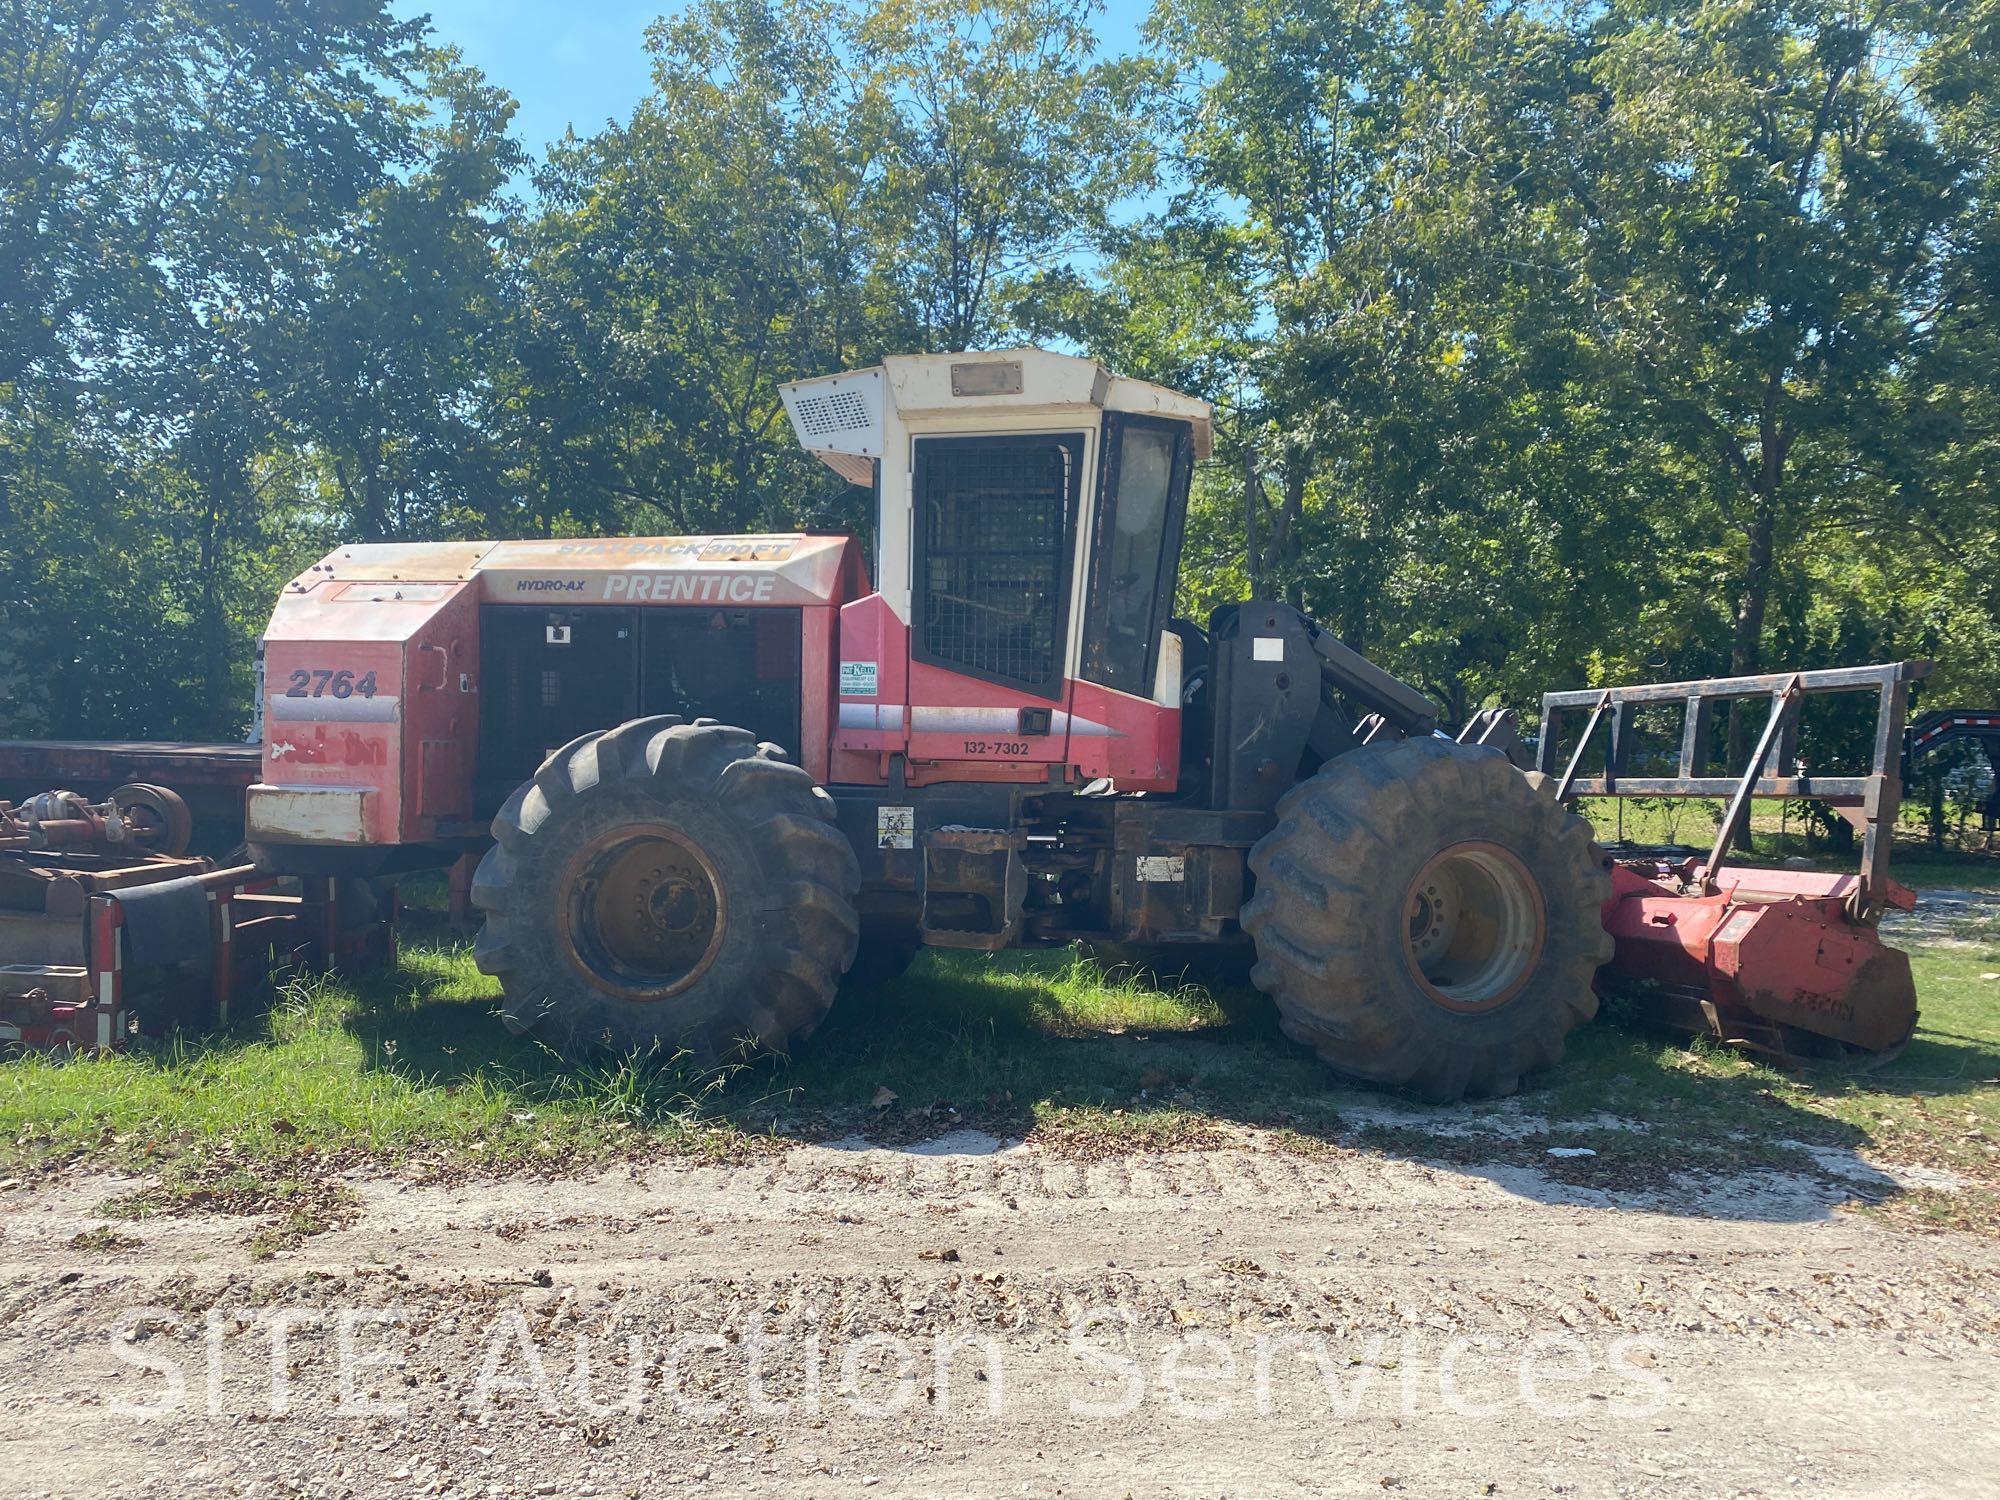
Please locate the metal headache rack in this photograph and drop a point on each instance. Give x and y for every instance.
(1876, 795)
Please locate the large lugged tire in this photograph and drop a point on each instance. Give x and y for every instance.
(671, 884)
(1425, 918)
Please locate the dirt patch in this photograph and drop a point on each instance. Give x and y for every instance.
(1945, 917)
(977, 1315)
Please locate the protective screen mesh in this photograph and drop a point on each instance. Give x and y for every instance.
(996, 526)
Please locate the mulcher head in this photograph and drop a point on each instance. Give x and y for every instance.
(1783, 961)
(1770, 959)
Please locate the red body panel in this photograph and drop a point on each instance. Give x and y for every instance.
(965, 721)
(872, 692)
(1137, 743)
(394, 763)
(1774, 945)
(953, 727)
(374, 686)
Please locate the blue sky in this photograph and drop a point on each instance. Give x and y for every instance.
(582, 62)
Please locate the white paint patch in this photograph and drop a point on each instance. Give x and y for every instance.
(886, 716)
(307, 814)
(1003, 721)
(327, 709)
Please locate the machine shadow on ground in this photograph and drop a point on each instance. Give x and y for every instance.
(1042, 1048)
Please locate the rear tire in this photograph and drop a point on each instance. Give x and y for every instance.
(671, 885)
(1425, 918)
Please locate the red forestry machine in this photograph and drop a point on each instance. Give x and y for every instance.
(717, 771)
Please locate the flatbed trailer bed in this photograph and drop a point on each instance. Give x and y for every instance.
(210, 778)
(96, 944)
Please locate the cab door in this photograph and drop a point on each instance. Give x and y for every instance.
(994, 538)
(1125, 707)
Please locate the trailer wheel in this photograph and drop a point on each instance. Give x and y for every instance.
(159, 819)
(1425, 918)
(667, 884)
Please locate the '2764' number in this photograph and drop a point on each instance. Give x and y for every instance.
(317, 682)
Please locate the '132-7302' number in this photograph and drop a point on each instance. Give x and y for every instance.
(317, 682)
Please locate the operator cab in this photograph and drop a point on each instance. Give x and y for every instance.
(1029, 516)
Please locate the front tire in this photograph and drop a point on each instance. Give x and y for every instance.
(667, 885)
(1424, 918)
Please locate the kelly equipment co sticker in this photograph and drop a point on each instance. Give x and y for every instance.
(857, 679)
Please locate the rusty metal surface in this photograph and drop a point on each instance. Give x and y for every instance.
(1767, 962)
(75, 974)
(1766, 959)
(209, 777)
(1825, 680)
(77, 763)
(1878, 794)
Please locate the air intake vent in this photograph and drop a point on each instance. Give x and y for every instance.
(842, 411)
(839, 417)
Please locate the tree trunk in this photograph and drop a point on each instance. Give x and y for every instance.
(1252, 483)
(1746, 645)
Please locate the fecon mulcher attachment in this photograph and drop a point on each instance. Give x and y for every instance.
(1781, 961)
(716, 769)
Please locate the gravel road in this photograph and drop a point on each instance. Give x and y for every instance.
(972, 1317)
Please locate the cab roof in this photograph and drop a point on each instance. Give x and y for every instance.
(848, 420)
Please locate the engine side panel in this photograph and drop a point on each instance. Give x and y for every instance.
(370, 712)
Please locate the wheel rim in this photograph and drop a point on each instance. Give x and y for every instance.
(158, 819)
(1474, 926)
(645, 913)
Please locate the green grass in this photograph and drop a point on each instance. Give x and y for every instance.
(1776, 837)
(388, 1066)
(413, 1069)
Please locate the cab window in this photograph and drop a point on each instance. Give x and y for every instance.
(995, 522)
(1136, 549)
